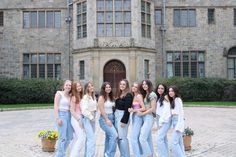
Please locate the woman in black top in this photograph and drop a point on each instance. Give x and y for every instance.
(122, 104)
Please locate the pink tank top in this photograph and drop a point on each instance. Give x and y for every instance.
(78, 109)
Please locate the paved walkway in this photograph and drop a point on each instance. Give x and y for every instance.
(215, 132)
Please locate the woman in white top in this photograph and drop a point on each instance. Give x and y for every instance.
(177, 113)
(76, 120)
(88, 109)
(63, 116)
(164, 120)
(106, 103)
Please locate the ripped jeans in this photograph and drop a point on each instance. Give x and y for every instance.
(65, 132)
(123, 142)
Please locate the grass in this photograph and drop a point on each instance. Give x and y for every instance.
(201, 103)
(24, 105)
(211, 103)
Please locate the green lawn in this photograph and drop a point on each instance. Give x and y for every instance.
(211, 103)
(24, 105)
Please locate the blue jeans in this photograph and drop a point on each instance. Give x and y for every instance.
(89, 127)
(123, 142)
(65, 132)
(145, 135)
(137, 122)
(177, 140)
(162, 142)
(111, 135)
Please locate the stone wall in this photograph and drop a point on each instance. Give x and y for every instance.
(16, 40)
(211, 38)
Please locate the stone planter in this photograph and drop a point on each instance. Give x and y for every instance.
(187, 142)
(48, 145)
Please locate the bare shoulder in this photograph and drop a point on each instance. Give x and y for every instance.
(166, 98)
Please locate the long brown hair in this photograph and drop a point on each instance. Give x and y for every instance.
(161, 97)
(75, 93)
(86, 90)
(127, 89)
(172, 100)
(103, 93)
(150, 89)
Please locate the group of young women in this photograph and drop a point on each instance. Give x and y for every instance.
(76, 110)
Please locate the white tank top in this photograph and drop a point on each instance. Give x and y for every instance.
(64, 102)
(108, 106)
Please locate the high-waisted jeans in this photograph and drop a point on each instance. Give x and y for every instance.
(162, 142)
(110, 135)
(65, 132)
(137, 122)
(89, 127)
(145, 135)
(177, 140)
(123, 142)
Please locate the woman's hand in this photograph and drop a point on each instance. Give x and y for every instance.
(109, 123)
(93, 120)
(59, 121)
(140, 113)
(81, 124)
(131, 110)
(122, 125)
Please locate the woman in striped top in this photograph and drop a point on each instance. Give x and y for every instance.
(137, 121)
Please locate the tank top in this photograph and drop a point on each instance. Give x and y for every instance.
(108, 106)
(64, 102)
(136, 103)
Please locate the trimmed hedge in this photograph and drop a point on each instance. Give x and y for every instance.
(204, 89)
(29, 91)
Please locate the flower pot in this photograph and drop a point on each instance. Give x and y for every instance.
(48, 145)
(187, 142)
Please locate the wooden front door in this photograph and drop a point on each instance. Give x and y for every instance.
(113, 72)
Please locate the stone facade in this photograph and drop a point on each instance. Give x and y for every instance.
(131, 51)
(212, 39)
(16, 40)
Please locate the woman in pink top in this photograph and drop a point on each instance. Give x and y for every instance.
(76, 120)
(137, 121)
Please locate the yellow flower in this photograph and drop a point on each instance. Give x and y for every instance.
(48, 134)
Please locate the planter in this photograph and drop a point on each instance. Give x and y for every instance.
(187, 142)
(48, 145)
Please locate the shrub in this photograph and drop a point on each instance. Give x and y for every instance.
(15, 91)
(204, 89)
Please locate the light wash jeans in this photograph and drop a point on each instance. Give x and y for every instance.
(65, 132)
(89, 127)
(162, 142)
(78, 139)
(123, 142)
(110, 135)
(145, 137)
(177, 140)
(137, 122)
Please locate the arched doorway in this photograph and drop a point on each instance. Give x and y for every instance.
(113, 72)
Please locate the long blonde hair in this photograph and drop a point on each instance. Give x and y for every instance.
(86, 90)
(127, 89)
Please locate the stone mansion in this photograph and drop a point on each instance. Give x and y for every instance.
(107, 40)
